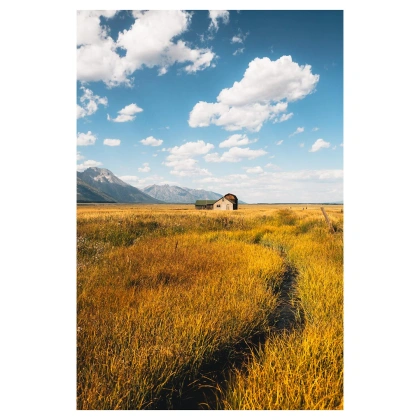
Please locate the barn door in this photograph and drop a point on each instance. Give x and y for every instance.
(227, 206)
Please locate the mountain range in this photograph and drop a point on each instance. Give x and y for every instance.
(100, 185)
(179, 195)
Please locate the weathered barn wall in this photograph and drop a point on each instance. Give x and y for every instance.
(223, 204)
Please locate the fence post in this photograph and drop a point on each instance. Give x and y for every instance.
(331, 227)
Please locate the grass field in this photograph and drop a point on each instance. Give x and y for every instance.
(166, 293)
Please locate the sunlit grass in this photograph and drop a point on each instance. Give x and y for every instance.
(163, 290)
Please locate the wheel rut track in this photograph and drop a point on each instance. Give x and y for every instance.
(201, 393)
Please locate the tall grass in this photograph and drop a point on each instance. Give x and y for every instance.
(165, 290)
(151, 314)
(302, 370)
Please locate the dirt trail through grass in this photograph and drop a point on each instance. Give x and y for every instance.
(212, 378)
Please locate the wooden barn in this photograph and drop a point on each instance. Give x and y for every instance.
(227, 202)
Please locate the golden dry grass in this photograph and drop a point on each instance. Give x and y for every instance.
(164, 289)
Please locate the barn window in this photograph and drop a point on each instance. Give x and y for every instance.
(218, 205)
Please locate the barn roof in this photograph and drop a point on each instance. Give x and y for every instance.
(204, 202)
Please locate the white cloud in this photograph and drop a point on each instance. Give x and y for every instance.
(186, 167)
(89, 30)
(257, 97)
(112, 142)
(191, 149)
(137, 182)
(286, 117)
(235, 154)
(89, 103)
(279, 186)
(237, 140)
(126, 114)
(255, 170)
(215, 15)
(315, 129)
(319, 144)
(86, 139)
(88, 164)
(144, 168)
(79, 156)
(147, 43)
(80, 111)
(279, 142)
(238, 51)
(298, 131)
(250, 116)
(181, 159)
(272, 165)
(240, 38)
(265, 81)
(301, 145)
(151, 141)
(232, 178)
(129, 178)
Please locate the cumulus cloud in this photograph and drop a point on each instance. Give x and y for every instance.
(250, 116)
(181, 161)
(191, 149)
(86, 139)
(126, 114)
(319, 144)
(267, 81)
(89, 103)
(235, 154)
(298, 131)
(112, 142)
(88, 164)
(144, 168)
(151, 141)
(263, 93)
(218, 15)
(255, 170)
(79, 156)
(237, 140)
(149, 42)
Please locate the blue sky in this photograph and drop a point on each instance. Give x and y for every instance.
(248, 102)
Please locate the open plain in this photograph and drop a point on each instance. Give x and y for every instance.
(180, 308)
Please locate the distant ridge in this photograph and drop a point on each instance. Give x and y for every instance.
(180, 195)
(100, 185)
(105, 186)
